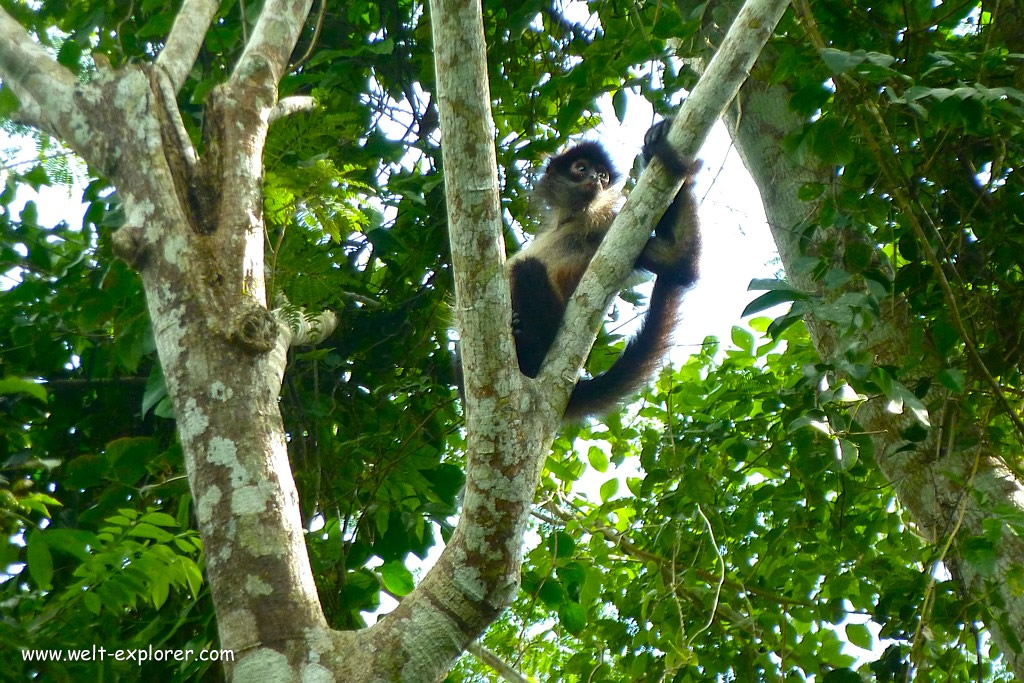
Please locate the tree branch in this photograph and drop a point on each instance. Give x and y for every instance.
(185, 39)
(312, 41)
(306, 330)
(881, 146)
(292, 105)
(654, 192)
(491, 659)
(273, 39)
(482, 295)
(43, 87)
(478, 572)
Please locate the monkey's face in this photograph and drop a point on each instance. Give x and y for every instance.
(576, 177)
(590, 174)
(589, 177)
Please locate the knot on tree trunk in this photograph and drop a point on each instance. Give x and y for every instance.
(255, 328)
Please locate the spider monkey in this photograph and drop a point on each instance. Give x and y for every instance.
(578, 194)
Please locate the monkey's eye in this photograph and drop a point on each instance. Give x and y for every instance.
(579, 169)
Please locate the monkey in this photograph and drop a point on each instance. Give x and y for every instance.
(580, 202)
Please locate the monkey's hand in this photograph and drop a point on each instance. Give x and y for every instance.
(517, 325)
(656, 145)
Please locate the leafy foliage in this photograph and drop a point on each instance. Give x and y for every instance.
(753, 547)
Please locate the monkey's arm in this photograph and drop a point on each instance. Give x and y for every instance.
(674, 251)
(537, 312)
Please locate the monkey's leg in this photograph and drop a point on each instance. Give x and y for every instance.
(537, 312)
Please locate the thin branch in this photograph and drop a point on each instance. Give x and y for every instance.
(622, 542)
(913, 215)
(295, 328)
(491, 659)
(670, 572)
(41, 85)
(718, 586)
(37, 160)
(292, 105)
(366, 301)
(917, 642)
(243, 21)
(185, 39)
(314, 40)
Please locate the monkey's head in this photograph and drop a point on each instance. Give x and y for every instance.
(575, 178)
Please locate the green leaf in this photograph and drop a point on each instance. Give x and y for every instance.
(860, 635)
(30, 212)
(849, 454)
(843, 675)
(609, 489)
(770, 284)
(597, 458)
(193, 575)
(160, 590)
(981, 554)
(40, 561)
(635, 485)
(71, 541)
(810, 191)
(92, 602)
(783, 322)
(619, 102)
(155, 391)
(742, 339)
(150, 531)
(769, 299)
(561, 544)
(953, 379)
(839, 61)
(16, 385)
(900, 397)
(397, 578)
(880, 59)
(573, 617)
(159, 519)
(8, 102)
(552, 593)
(158, 25)
(70, 55)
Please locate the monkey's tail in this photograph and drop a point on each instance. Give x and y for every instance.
(639, 360)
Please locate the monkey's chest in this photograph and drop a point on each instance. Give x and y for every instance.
(566, 258)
